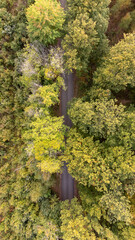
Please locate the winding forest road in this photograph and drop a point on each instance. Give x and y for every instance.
(67, 182)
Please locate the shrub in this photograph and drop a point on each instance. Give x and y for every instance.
(125, 22)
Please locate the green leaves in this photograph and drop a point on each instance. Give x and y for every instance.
(47, 135)
(92, 163)
(97, 118)
(100, 147)
(86, 24)
(81, 38)
(45, 21)
(117, 71)
(117, 208)
(49, 94)
(75, 225)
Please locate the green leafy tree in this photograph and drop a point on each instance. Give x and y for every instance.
(94, 163)
(100, 147)
(45, 21)
(96, 118)
(109, 170)
(96, 213)
(33, 217)
(81, 38)
(46, 138)
(75, 225)
(45, 135)
(85, 39)
(117, 71)
(28, 207)
(13, 37)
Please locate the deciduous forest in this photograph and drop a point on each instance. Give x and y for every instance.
(41, 41)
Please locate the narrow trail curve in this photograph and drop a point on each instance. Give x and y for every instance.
(67, 182)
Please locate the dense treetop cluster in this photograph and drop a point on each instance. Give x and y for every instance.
(40, 42)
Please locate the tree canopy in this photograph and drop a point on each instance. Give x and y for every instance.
(45, 21)
(40, 43)
(85, 32)
(117, 71)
